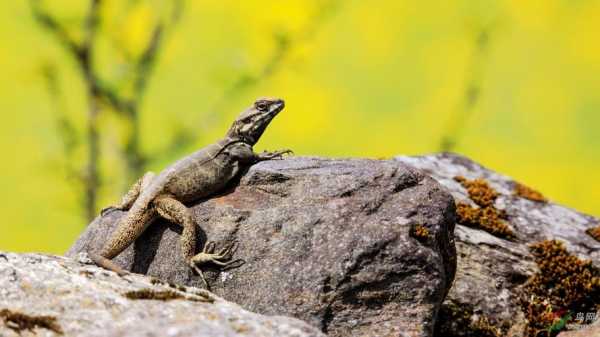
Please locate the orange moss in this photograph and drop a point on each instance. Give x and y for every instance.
(420, 232)
(150, 294)
(594, 232)
(163, 295)
(178, 287)
(565, 285)
(486, 217)
(479, 191)
(156, 281)
(18, 322)
(528, 193)
(459, 320)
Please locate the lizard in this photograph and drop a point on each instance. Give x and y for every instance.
(196, 176)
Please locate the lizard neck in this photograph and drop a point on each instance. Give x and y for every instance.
(229, 140)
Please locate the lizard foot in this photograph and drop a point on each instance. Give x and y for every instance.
(208, 255)
(266, 155)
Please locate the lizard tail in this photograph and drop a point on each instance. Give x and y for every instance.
(107, 264)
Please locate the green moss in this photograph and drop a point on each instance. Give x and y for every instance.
(563, 286)
(18, 322)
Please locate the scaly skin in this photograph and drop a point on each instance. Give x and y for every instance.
(196, 176)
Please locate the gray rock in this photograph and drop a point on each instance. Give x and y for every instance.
(354, 247)
(56, 295)
(491, 271)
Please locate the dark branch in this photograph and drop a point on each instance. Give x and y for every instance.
(65, 128)
(456, 125)
(92, 21)
(48, 22)
(82, 52)
(145, 64)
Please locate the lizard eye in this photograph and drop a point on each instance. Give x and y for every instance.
(262, 105)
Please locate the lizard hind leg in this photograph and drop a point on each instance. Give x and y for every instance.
(174, 211)
(131, 195)
(129, 228)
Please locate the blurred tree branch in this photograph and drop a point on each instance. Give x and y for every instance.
(83, 53)
(99, 93)
(102, 95)
(284, 44)
(454, 129)
(66, 130)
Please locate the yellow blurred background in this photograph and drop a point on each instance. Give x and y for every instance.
(514, 84)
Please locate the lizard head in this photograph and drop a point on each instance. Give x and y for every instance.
(251, 124)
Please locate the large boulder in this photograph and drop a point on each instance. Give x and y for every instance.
(43, 295)
(525, 264)
(354, 247)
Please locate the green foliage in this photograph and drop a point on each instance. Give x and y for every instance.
(359, 80)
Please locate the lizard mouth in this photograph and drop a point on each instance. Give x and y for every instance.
(277, 106)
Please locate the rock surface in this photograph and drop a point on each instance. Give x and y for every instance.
(591, 330)
(46, 295)
(354, 247)
(491, 270)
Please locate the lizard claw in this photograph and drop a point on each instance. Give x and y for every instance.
(275, 154)
(221, 259)
(286, 151)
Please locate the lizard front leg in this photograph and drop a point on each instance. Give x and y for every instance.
(131, 195)
(174, 211)
(267, 155)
